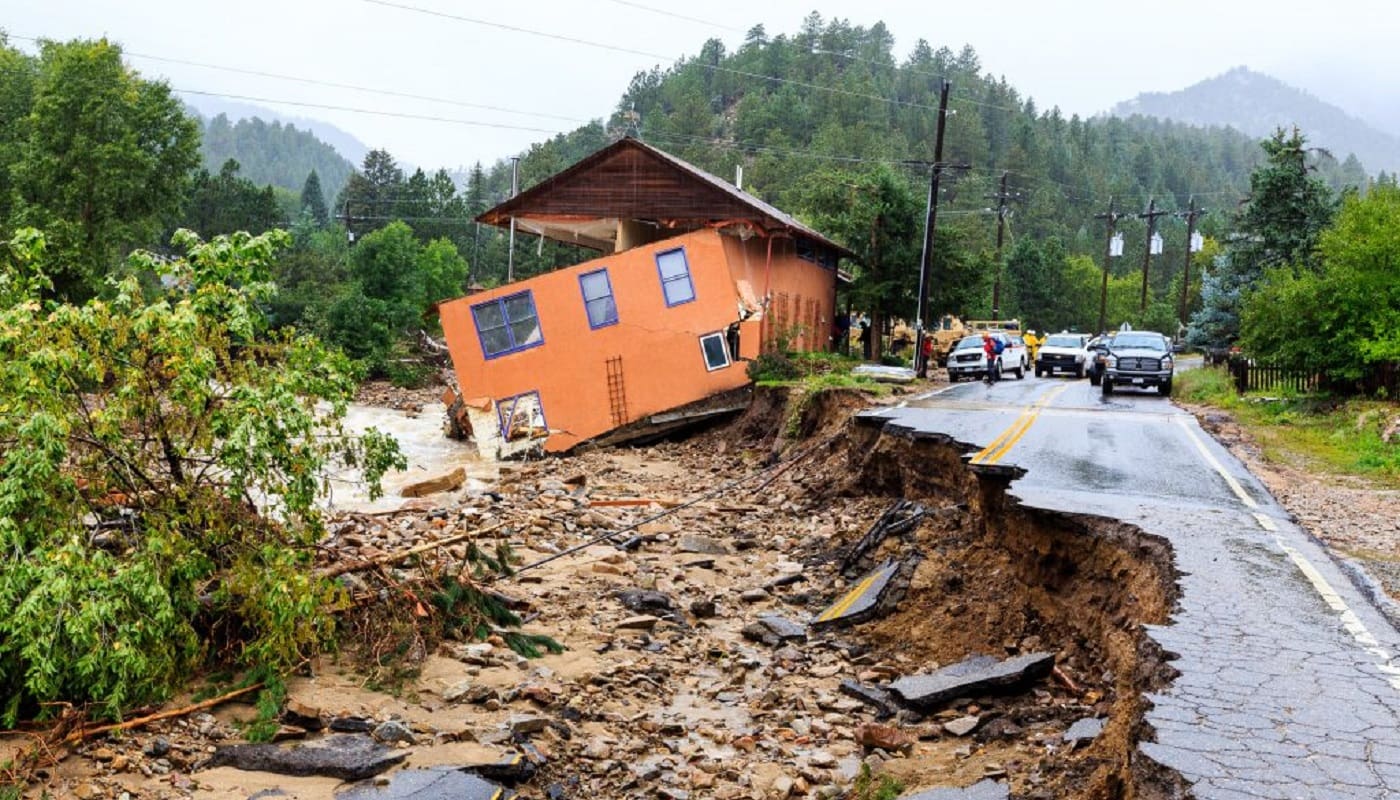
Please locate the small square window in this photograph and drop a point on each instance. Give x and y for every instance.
(507, 324)
(716, 354)
(598, 298)
(675, 277)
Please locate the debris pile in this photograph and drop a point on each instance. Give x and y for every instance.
(684, 580)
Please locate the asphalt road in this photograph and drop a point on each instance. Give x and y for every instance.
(1290, 680)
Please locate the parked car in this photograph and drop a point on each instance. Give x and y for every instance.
(968, 361)
(1098, 354)
(1139, 359)
(1063, 352)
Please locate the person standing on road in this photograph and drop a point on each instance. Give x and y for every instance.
(989, 351)
(1033, 343)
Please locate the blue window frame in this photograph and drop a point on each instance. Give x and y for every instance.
(521, 417)
(507, 324)
(675, 277)
(598, 298)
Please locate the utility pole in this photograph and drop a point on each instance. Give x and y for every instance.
(930, 221)
(1108, 254)
(514, 190)
(1191, 248)
(1151, 215)
(1002, 212)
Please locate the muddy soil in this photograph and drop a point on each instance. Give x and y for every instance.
(681, 702)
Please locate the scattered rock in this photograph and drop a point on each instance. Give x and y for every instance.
(704, 545)
(644, 622)
(885, 737)
(754, 595)
(348, 757)
(352, 724)
(456, 692)
(391, 731)
(962, 726)
(703, 609)
(303, 716)
(440, 483)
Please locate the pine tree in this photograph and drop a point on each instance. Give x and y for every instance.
(313, 200)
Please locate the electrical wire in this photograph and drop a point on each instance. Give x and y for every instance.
(674, 15)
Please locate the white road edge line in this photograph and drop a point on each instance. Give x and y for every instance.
(1350, 622)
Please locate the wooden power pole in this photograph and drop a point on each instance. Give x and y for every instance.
(1002, 211)
(1190, 215)
(930, 220)
(1151, 215)
(1112, 217)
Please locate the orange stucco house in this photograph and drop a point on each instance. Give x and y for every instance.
(694, 276)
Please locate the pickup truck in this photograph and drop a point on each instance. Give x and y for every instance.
(1139, 359)
(1063, 352)
(966, 360)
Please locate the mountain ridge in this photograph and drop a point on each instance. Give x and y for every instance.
(1256, 104)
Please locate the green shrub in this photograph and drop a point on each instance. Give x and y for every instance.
(161, 457)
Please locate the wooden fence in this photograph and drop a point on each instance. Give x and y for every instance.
(1381, 380)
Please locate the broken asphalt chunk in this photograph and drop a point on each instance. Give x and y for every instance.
(437, 783)
(774, 630)
(982, 790)
(870, 695)
(973, 676)
(862, 600)
(349, 758)
(1084, 731)
(511, 769)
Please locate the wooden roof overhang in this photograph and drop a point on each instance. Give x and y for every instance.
(633, 181)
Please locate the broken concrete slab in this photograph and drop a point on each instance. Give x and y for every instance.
(440, 483)
(973, 676)
(348, 757)
(982, 790)
(881, 373)
(1084, 731)
(861, 601)
(436, 783)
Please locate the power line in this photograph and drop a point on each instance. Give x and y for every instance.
(333, 84)
(632, 51)
(674, 15)
(372, 111)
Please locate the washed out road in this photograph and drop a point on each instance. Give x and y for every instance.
(1290, 677)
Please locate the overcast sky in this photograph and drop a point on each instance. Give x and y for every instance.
(1083, 55)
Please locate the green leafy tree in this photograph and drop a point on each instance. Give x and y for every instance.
(161, 456)
(1345, 315)
(373, 195)
(19, 73)
(104, 162)
(1287, 211)
(875, 215)
(313, 200)
(224, 203)
(444, 271)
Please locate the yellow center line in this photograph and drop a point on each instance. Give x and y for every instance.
(850, 599)
(1002, 445)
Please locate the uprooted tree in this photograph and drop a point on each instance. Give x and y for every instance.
(161, 456)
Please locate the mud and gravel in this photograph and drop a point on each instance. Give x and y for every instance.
(677, 701)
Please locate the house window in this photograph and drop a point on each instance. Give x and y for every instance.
(715, 352)
(521, 417)
(598, 298)
(507, 324)
(675, 277)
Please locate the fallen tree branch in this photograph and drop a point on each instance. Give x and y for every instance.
(84, 733)
(1064, 679)
(404, 555)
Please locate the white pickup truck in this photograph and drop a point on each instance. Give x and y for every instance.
(966, 359)
(1063, 352)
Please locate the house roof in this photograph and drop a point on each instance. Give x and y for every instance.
(631, 180)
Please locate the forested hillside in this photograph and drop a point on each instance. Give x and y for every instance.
(835, 106)
(273, 153)
(1258, 104)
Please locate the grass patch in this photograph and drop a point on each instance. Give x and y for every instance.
(812, 372)
(1311, 432)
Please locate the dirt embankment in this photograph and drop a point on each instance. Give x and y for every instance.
(681, 698)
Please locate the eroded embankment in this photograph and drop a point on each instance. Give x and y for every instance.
(996, 578)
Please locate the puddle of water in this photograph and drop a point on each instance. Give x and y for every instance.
(428, 451)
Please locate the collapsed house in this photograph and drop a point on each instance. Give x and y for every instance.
(694, 278)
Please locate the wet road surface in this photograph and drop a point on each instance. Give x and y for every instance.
(1290, 680)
